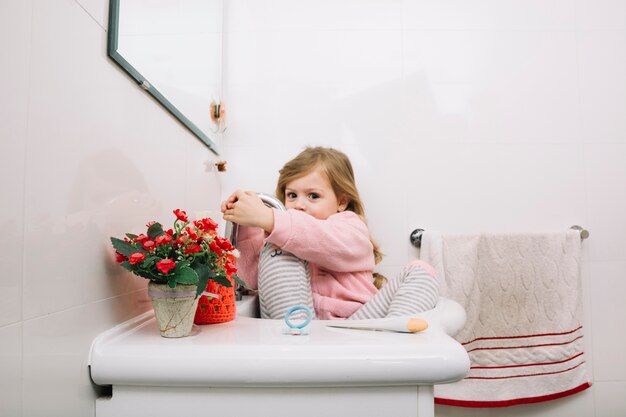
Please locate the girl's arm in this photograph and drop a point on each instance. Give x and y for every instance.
(250, 241)
(254, 218)
(340, 243)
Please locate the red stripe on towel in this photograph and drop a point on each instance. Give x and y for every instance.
(521, 337)
(527, 364)
(508, 403)
(525, 375)
(526, 346)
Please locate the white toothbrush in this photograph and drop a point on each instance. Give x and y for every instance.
(395, 324)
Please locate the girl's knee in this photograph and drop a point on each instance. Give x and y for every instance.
(418, 263)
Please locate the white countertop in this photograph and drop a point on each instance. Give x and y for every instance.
(250, 352)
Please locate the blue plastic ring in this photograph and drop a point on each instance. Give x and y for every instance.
(309, 317)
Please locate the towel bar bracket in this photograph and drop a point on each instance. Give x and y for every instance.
(416, 237)
(584, 234)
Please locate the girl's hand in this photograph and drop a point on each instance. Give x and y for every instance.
(228, 203)
(246, 209)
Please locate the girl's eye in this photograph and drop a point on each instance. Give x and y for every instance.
(291, 195)
(314, 196)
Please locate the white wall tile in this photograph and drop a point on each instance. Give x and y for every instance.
(126, 169)
(15, 30)
(366, 15)
(376, 169)
(603, 85)
(98, 10)
(601, 14)
(255, 168)
(243, 15)
(489, 14)
(610, 400)
(312, 120)
(11, 370)
(605, 167)
(455, 81)
(495, 188)
(455, 14)
(368, 59)
(608, 311)
(56, 350)
(202, 184)
(286, 15)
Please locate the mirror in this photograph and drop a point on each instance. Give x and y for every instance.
(173, 50)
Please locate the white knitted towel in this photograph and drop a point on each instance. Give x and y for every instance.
(522, 296)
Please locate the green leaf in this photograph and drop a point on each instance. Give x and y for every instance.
(124, 248)
(155, 230)
(182, 264)
(222, 280)
(126, 265)
(203, 272)
(131, 236)
(186, 276)
(149, 275)
(149, 261)
(239, 281)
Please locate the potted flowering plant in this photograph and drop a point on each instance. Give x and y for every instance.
(179, 263)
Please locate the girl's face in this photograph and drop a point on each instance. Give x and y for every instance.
(314, 195)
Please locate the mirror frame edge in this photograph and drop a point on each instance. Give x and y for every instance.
(112, 45)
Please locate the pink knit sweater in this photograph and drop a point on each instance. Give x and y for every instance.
(338, 250)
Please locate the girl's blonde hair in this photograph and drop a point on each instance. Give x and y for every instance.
(338, 169)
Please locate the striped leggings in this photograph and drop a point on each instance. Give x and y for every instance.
(285, 281)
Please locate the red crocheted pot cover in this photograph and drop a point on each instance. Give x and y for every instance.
(216, 310)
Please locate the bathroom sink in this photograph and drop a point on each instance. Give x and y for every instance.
(248, 306)
(252, 362)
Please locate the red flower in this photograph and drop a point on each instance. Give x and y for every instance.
(163, 239)
(230, 268)
(180, 215)
(209, 224)
(181, 240)
(191, 233)
(141, 238)
(192, 242)
(224, 243)
(205, 224)
(136, 257)
(193, 248)
(215, 248)
(164, 265)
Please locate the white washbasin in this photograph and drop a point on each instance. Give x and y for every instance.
(252, 358)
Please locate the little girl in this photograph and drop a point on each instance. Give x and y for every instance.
(319, 252)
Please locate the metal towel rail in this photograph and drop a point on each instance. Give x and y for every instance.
(416, 235)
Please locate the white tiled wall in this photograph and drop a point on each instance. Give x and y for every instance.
(84, 155)
(459, 116)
